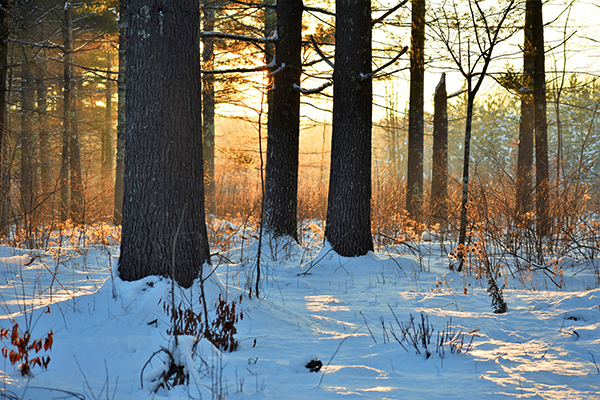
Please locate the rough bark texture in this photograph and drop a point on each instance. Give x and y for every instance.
(45, 159)
(67, 113)
(526, 125)
(208, 108)
(106, 178)
(164, 232)
(120, 156)
(414, 183)
(439, 170)
(4, 187)
(284, 124)
(542, 183)
(348, 228)
(77, 198)
(27, 143)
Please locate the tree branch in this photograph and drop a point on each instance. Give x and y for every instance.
(319, 10)
(315, 90)
(252, 39)
(320, 53)
(388, 12)
(370, 75)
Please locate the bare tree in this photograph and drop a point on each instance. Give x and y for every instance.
(470, 44)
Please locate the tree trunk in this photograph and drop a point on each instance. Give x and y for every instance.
(4, 194)
(464, 206)
(414, 183)
(120, 159)
(67, 112)
(77, 198)
(45, 161)
(164, 232)
(106, 178)
(348, 228)
(526, 125)
(27, 144)
(208, 108)
(284, 124)
(439, 170)
(542, 179)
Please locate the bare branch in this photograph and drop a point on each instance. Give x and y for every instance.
(388, 12)
(384, 66)
(315, 90)
(252, 39)
(319, 10)
(320, 53)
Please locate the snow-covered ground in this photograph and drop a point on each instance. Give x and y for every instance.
(345, 312)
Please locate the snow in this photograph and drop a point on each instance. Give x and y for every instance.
(111, 341)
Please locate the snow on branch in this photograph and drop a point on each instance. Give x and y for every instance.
(370, 75)
(244, 38)
(240, 70)
(315, 90)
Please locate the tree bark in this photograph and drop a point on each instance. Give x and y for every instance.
(414, 183)
(4, 195)
(208, 108)
(542, 178)
(67, 112)
(526, 125)
(106, 178)
(284, 124)
(120, 156)
(27, 144)
(77, 196)
(164, 232)
(45, 161)
(439, 170)
(348, 228)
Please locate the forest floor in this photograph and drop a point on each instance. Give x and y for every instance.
(352, 314)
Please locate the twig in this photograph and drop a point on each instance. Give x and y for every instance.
(367, 324)
(336, 351)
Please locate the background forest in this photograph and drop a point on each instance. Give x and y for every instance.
(60, 136)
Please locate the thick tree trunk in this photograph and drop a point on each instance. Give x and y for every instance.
(348, 228)
(27, 144)
(67, 112)
(414, 183)
(45, 160)
(208, 108)
(284, 124)
(77, 196)
(4, 195)
(164, 232)
(106, 174)
(542, 178)
(120, 159)
(526, 125)
(439, 170)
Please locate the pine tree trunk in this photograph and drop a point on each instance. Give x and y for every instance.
(526, 125)
(542, 178)
(106, 178)
(208, 108)
(348, 228)
(439, 170)
(120, 158)
(164, 231)
(67, 112)
(284, 124)
(45, 161)
(27, 144)
(4, 193)
(414, 184)
(77, 197)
